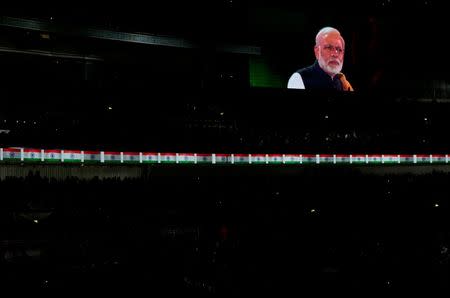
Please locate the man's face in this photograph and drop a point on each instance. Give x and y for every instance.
(330, 53)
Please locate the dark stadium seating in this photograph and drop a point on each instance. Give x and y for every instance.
(234, 234)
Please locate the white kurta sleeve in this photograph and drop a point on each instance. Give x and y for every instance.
(296, 82)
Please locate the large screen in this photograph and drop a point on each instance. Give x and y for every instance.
(387, 46)
(391, 46)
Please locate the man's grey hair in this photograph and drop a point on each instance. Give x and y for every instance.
(327, 30)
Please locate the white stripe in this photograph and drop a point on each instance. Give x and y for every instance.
(159, 157)
(1, 153)
(140, 157)
(82, 156)
(121, 157)
(176, 158)
(62, 155)
(317, 158)
(232, 158)
(367, 158)
(213, 158)
(414, 158)
(102, 156)
(301, 158)
(398, 156)
(21, 154)
(267, 158)
(195, 158)
(42, 154)
(431, 158)
(351, 159)
(334, 158)
(382, 158)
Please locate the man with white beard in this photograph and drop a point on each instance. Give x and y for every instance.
(325, 73)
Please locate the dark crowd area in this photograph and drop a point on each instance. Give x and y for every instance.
(231, 235)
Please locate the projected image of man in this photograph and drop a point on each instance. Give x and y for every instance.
(325, 73)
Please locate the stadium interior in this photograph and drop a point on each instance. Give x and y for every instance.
(211, 79)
